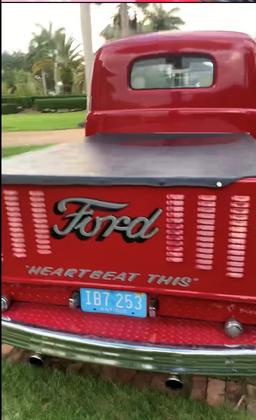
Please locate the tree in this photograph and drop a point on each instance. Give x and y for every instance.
(124, 23)
(54, 58)
(42, 69)
(15, 60)
(79, 81)
(41, 56)
(11, 63)
(67, 60)
(156, 18)
(51, 63)
(124, 19)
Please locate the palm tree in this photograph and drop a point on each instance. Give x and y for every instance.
(67, 59)
(54, 58)
(42, 68)
(124, 19)
(86, 29)
(123, 23)
(156, 18)
(79, 80)
(42, 55)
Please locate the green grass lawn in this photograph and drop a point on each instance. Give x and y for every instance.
(31, 393)
(42, 121)
(10, 151)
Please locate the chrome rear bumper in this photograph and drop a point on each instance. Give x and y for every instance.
(203, 360)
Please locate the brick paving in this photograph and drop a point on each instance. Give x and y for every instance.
(216, 392)
(199, 388)
(239, 394)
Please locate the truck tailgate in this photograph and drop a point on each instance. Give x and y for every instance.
(178, 239)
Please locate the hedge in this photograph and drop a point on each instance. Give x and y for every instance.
(57, 96)
(28, 101)
(23, 101)
(54, 104)
(10, 109)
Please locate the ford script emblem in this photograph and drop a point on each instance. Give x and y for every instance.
(85, 224)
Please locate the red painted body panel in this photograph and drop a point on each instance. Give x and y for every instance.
(180, 307)
(227, 106)
(180, 265)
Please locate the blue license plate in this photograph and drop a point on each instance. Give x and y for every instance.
(114, 302)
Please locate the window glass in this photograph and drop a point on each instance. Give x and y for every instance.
(173, 71)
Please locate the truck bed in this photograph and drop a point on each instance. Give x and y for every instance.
(191, 250)
(202, 160)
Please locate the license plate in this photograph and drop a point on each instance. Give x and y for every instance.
(114, 302)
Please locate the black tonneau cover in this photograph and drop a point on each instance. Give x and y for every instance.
(145, 159)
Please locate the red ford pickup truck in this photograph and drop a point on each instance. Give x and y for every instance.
(137, 248)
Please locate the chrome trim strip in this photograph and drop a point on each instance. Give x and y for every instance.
(203, 360)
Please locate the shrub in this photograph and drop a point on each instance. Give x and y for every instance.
(10, 109)
(57, 96)
(28, 101)
(54, 104)
(51, 103)
(22, 101)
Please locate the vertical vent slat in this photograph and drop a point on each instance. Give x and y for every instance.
(205, 231)
(174, 227)
(237, 235)
(40, 222)
(15, 224)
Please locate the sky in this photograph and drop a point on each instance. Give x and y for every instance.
(19, 20)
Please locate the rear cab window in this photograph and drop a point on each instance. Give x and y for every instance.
(172, 72)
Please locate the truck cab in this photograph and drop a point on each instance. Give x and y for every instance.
(136, 248)
(197, 82)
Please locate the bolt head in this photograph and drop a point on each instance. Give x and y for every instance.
(74, 300)
(153, 306)
(4, 303)
(233, 328)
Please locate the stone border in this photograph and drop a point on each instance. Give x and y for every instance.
(238, 394)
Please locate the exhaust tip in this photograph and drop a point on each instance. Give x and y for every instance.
(36, 360)
(174, 383)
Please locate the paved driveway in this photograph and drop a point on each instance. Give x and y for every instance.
(24, 138)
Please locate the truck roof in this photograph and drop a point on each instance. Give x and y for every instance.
(231, 37)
